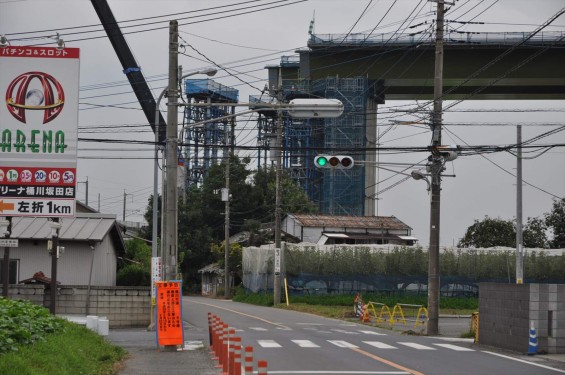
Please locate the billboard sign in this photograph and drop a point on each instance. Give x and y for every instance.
(38, 130)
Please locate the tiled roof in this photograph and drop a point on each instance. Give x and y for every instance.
(364, 222)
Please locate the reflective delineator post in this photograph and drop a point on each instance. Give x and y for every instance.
(210, 325)
(533, 343)
(248, 361)
(228, 349)
(237, 356)
(234, 342)
(261, 367)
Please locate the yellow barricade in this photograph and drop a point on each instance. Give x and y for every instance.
(475, 325)
(384, 311)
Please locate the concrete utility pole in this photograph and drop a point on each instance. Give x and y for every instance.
(170, 237)
(226, 199)
(7, 223)
(277, 276)
(55, 226)
(436, 167)
(519, 233)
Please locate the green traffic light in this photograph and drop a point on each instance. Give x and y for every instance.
(322, 161)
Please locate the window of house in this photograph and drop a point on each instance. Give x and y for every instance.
(12, 271)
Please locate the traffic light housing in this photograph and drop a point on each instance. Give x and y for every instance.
(334, 161)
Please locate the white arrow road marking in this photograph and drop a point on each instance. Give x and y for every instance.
(380, 345)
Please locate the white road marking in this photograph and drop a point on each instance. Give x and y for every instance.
(373, 333)
(417, 346)
(343, 372)
(342, 344)
(455, 347)
(258, 329)
(268, 343)
(305, 343)
(522, 361)
(345, 331)
(380, 345)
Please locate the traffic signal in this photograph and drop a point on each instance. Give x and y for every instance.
(334, 161)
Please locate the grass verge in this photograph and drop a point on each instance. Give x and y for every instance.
(72, 349)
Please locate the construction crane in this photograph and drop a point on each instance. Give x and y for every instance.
(129, 65)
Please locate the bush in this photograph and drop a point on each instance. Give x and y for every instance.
(133, 275)
(23, 323)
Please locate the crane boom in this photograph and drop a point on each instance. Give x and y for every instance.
(129, 65)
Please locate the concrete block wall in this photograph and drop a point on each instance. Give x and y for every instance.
(123, 306)
(31, 292)
(507, 310)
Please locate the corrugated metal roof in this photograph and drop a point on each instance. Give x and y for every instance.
(361, 222)
(79, 228)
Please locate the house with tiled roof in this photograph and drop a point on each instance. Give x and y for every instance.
(352, 230)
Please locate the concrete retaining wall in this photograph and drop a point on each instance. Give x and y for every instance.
(123, 306)
(507, 310)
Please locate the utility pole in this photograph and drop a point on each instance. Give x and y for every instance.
(519, 233)
(279, 148)
(55, 226)
(124, 211)
(7, 223)
(226, 199)
(170, 238)
(436, 167)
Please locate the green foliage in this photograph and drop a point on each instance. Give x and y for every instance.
(555, 220)
(135, 267)
(71, 349)
(133, 275)
(489, 233)
(408, 261)
(23, 323)
(235, 256)
(259, 299)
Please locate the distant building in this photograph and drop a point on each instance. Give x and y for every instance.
(91, 241)
(351, 230)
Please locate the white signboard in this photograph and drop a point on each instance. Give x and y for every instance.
(38, 130)
(156, 275)
(277, 261)
(9, 242)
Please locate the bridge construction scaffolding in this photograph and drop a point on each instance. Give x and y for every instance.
(206, 144)
(336, 191)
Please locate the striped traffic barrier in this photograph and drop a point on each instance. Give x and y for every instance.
(234, 343)
(237, 356)
(248, 361)
(228, 349)
(261, 367)
(533, 343)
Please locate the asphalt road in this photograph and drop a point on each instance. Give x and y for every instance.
(298, 343)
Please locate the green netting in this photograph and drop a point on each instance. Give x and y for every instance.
(312, 269)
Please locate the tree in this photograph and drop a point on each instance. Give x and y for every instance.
(488, 233)
(252, 202)
(555, 221)
(497, 232)
(534, 234)
(134, 268)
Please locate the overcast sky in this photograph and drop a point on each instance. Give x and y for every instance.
(484, 185)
